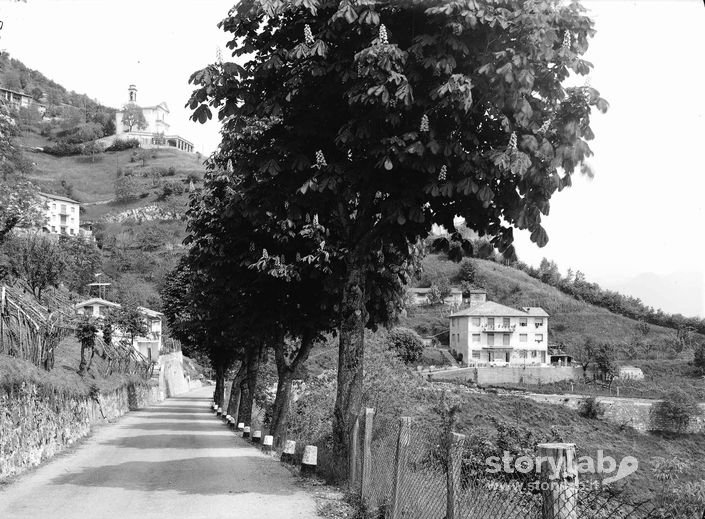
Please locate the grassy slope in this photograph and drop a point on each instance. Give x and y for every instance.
(94, 181)
(571, 321)
(64, 377)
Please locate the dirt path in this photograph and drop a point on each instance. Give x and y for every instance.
(171, 461)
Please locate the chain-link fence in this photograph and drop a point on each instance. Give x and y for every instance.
(413, 471)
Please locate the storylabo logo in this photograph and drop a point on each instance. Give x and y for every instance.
(605, 466)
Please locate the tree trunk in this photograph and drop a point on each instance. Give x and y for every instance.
(350, 360)
(286, 369)
(248, 387)
(82, 365)
(280, 413)
(234, 402)
(219, 396)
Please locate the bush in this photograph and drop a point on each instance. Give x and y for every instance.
(406, 343)
(467, 271)
(123, 144)
(63, 149)
(591, 408)
(125, 189)
(675, 412)
(455, 251)
(699, 359)
(171, 188)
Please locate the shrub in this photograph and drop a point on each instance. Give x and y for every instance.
(123, 144)
(125, 189)
(467, 271)
(406, 343)
(171, 188)
(455, 251)
(193, 177)
(699, 359)
(591, 408)
(63, 149)
(674, 412)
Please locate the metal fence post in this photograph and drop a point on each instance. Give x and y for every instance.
(455, 459)
(559, 480)
(367, 455)
(400, 465)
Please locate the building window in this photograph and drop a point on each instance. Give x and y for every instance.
(490, 339)
(522, 337)
(539, 337)
(522, 321)
(538, 322)
(505, 322)
(533, 353)
(490, 322)
(505, 339)
(476, 338)
(476, 354)
(476, 321)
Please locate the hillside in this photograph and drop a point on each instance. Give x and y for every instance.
(137, 253)
(572, 321)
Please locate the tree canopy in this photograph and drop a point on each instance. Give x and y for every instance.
(133, 117)
(351, 127)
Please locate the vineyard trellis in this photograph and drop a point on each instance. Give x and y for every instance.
(32, 332)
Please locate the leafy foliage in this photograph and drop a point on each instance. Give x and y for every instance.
(133, 117)
(346, 142)
(36, 259)
(591, 408)
(406, 343)
(674, 412)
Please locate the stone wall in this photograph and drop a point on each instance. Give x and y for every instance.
(487, 376)
(631, 412)
(36, 423)
(172, 380)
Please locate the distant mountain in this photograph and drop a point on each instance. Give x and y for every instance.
(678, 292)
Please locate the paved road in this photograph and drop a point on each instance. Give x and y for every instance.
(170, 461)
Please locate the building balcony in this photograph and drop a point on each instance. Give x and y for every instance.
(498, 328)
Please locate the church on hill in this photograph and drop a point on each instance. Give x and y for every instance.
(153, 132)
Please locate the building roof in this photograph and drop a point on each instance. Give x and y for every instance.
(535, 311)
(59, 198)
(428, 290)
(495, 309)
(97, 300)
(105, 302)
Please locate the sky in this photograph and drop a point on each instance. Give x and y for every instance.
(636, 226)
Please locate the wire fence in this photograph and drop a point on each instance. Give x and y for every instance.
(412, 471)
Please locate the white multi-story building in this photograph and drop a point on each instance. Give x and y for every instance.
(62, 215)
(489, 332)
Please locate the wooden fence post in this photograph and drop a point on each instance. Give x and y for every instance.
(455, 461)
(559, 480)
(367, 455)
(354, 455)
(400, 465)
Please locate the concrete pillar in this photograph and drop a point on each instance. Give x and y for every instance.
(267, 443)
(246, 432)
(257, 437)
(240, 426)
(310, 460)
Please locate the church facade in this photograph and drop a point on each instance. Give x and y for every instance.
(156, 134)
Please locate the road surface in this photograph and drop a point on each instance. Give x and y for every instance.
(172, 460)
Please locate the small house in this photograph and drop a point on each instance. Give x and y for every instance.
(149, 346)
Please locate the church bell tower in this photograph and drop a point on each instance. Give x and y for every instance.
(133, 93)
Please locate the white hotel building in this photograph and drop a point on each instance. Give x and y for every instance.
(487, 332)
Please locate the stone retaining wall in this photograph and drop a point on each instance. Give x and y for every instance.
(36, 423)
(631, 412)
(488, 376)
